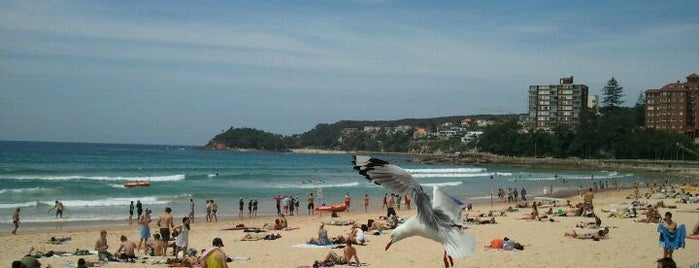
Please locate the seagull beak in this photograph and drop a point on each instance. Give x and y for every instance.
(389, 244)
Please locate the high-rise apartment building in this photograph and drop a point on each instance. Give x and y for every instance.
(556, 105)
(674, 107)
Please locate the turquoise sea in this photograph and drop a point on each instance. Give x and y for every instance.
(89, 178)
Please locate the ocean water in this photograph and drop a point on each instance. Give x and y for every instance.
(88, 179)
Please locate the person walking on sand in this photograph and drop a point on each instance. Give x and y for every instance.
(408, 201)
(671, 236)
(390, 210)
(139, 209)
(208, 210)
(254, 208)
(15, 220)
(241, 208)
(165, 222)
(297, 204)
(144, 223)
(366, 203)
(348, 200)
(385, 200)
(250, 208)
(191, 210)
(131, 208)
(214, 210)
(311, 206)
(278, 201)
(292, 201)
(59, 209)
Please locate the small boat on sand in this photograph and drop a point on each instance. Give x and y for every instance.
(334, 208)
(137, 184)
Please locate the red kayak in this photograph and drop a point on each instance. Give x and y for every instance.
(137, 184)
(335, 208)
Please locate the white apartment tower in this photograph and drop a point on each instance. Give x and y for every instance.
(556, 105)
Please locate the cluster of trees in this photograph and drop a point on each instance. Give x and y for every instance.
(249, 138)
(614, 132)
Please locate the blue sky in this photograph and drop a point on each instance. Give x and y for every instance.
(179, 72)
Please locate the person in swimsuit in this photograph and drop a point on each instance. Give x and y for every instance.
(310, 200)
(250, 208)
(139, 209)
(348, 253)
(131, 208)
(127, 249)
(191, 210)
(214, 209)
(101, 244)
(165, 222)
(254, 208)
(15, 220)
(322, 239)
(241, 208)
(144, 222)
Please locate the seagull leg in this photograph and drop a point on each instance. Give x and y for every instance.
(446, 262)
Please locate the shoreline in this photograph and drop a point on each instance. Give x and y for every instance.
(71, 225)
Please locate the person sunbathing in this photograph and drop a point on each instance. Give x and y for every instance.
(257, 236)
(348, 254)
(58, 240)
(596, 236)
(595, 224)
(652, 216)
(39, 252)
(278, 225)
(322, 237)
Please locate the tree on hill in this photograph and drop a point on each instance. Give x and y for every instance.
(249, 138)
(613, 93)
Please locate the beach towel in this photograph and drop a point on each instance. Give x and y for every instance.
(672, 240)
(306, 245)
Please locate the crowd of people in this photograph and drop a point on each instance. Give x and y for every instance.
(173, 240)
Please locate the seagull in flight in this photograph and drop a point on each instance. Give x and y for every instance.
(438, 218)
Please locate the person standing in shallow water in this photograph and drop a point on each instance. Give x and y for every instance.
(59, 209)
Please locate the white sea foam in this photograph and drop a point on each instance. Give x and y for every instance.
(449, 183)
(445, 170)
(176, 177)
(109, 202)
(19, 205)
(315, 185)
(24, 190)
(460, 175)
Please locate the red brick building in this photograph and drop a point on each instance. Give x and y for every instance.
(674, 107)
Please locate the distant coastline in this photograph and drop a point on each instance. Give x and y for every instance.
(680, 168)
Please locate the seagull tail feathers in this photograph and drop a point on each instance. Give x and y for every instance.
(459, 244)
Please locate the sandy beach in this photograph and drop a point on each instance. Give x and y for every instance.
(629, 244)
